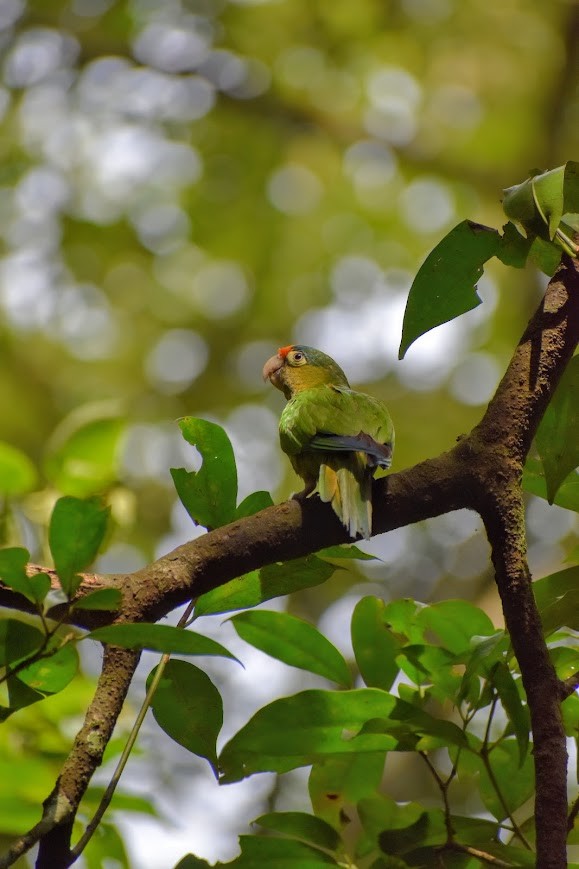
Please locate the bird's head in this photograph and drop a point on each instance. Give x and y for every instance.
(297, 367)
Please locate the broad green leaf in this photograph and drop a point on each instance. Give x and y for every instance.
(299, 730)
(555, 585)
(76, 531)
(517, 712)
(300, 825)
(514, 248)
(188, 707)
(106, 848)
(546, 204)
(266, 852)
(338, 781)
(445, 285)
(431, 665)
(514, 780)
(534, 482)
(159, 638)
(375, 647)
(485, 652)
(556, 438)
(545, 255)
(13, 563)
(46, 675)
(51, 674)
(256, 587)
(190, 861)
(18, 640)
(565, 660)
(346, 551)
(84, 452)
(296, 731)
(17, 473)
(455, 622)
(253, 504)
(401, 617)
(101, 599)
(209, 495)
(293, 641)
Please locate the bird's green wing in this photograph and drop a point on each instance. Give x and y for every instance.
(314, 414)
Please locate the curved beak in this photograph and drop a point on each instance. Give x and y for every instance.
(273, 365)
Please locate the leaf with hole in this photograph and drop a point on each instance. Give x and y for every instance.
(209, 495)
(445, 286)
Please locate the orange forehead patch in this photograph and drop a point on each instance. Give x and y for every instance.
(283, 351)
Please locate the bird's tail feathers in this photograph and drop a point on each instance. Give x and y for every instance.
(348, 490)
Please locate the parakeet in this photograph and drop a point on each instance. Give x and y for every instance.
(335, 437)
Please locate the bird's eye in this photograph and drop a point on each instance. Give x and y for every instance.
(297, 358)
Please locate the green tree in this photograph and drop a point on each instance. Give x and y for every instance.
(186, 186)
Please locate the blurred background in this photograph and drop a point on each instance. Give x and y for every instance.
(187, 185)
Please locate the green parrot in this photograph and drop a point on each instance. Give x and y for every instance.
(335, 437)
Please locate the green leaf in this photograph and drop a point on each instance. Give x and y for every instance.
(567, 494)
(18, 640)
(253, 504)
(84, 452)
(545, 255)
(296, 731)
(188, 707)
(254, 588)
(346, 551)
(101, 599)
(51, 674)
(375, 648)
(518, 714)
(13, 563)
(337, 781)
(401, 617)
(554, 596)
(514, 248)
(299, 730)
(485, 652)
(293, 641)
(455, 622)
(269, 852)
(515, 780)
(445, 285)
(546, 203)
(209, 495)
(159, 638)
(76, 531)
(17, 473)
(556, 438)
(300, 825)
(190, 861)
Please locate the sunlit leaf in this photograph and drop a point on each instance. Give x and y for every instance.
(293, 641)
(274, 580)
(557, 598)
(514, 780)
(209, 495)
(445, 286)
(13, 573)
(76, 531)
(17, 473)
(159, 638)
(347, 551)
(556, 438)
(375, 647)
(540, 202)
(188, 707)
